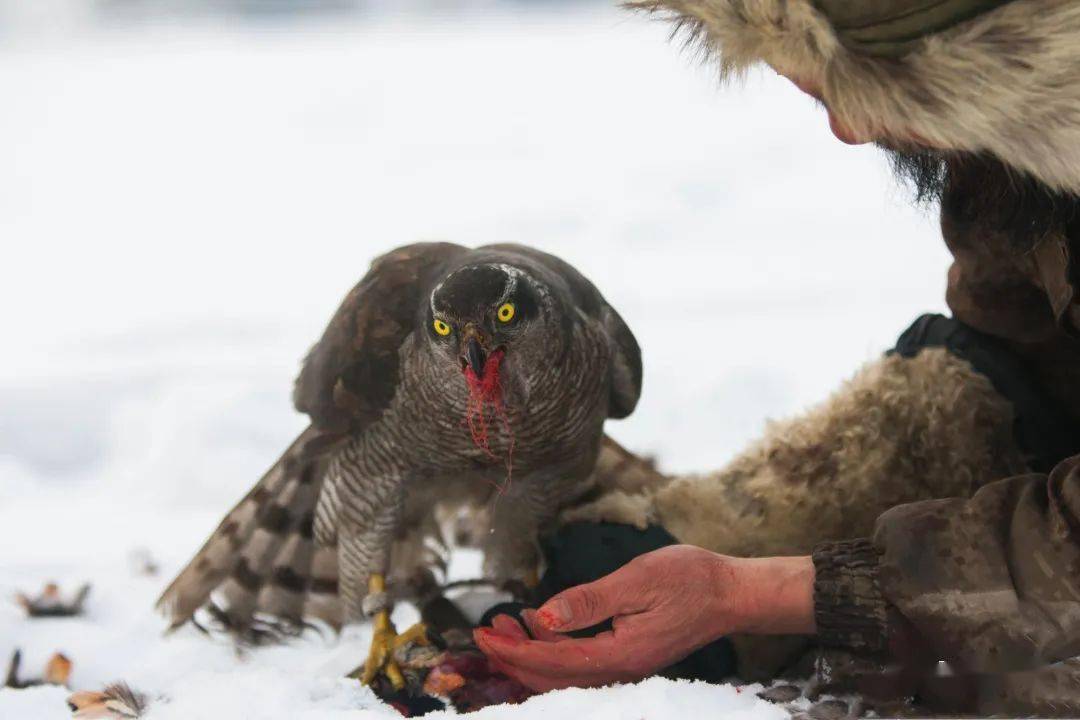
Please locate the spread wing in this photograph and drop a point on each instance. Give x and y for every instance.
(351, 374)
(262, 560)
(625, 368)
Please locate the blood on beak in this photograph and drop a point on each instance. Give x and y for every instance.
(475, 356)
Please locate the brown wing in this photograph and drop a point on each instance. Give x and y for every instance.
(262, 558)
(351, 374)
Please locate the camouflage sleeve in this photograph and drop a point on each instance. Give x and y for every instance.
(990, 583)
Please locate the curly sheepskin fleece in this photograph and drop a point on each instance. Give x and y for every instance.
(899, 431)
(1003, 83)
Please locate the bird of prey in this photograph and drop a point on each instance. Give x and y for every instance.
(447, 375)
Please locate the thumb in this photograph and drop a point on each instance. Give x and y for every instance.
(592, 603)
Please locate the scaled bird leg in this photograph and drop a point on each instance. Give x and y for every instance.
(386, 640)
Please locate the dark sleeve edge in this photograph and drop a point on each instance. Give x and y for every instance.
(849, 608)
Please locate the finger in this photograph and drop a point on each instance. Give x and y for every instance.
(589, 677)
(580, 607)
(536, 683)
(508, 626)
(537, 680)
(572, 659)
(537, 628)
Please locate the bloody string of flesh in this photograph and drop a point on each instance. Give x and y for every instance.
(485, 408)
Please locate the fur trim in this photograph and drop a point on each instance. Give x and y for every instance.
(618, 507)
(622, 485)
(899, 431)
(1003, 83)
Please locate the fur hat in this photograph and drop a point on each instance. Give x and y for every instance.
(991, 76)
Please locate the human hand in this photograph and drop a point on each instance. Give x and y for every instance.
(663, 605)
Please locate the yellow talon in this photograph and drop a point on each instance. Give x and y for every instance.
(416, 634)
(386, 640)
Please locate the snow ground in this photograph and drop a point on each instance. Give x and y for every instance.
(182, 207)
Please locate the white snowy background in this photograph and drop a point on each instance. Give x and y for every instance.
(184, 203)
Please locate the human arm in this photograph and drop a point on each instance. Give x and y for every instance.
(664, 605)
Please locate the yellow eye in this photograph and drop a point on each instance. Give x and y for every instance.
(505, 312)
(441, 328)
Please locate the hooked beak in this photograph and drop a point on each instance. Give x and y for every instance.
(475, 356)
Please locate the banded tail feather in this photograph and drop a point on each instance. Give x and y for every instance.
(260, 571)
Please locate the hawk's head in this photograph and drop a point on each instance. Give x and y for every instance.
(482, 312)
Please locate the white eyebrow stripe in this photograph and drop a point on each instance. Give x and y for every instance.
(431, 300)
(513, 274)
